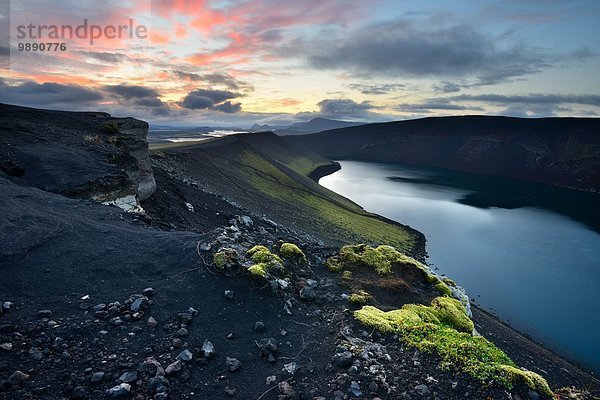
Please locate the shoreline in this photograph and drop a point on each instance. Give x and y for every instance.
(491, 323)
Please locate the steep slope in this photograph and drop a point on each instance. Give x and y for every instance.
(266, 175)
(555, 151)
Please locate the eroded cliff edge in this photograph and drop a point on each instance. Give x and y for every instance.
(86, 155)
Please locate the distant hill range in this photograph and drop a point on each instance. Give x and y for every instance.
(302, 128)
(557, 151)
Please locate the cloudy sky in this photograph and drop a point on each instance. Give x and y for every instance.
(239, 62)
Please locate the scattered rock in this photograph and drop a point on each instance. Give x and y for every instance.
(342, 359)
(119, 391)
(229, 294)
(6, 346)
(354, 389)
(259, 326)
(44, 314)
(232, 364)
(152, 322)
(148, 292)
(182, 332)
(268, 348)
(97, 377)
(129, 376)
(173, 367)
(308, 293)
(290, 368)
(17, 377)
(422, 390)
(185, 355)
(208, 350)
(285, 389)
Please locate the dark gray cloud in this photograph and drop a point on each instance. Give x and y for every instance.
(376, 89)
(196, 102)
(217, 96)
(151, 102)
(229, 107)
(132, 91)
(533, 98)
(205, 99)
(448, 87)
(402, 48)
(49, 95)
(343, 107)
(214, 79)
(435, 105)
(135, 96)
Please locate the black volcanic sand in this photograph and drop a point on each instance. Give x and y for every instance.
(68, 249)
(56, 251)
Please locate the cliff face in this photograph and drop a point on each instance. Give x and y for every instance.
(557, 151)
(81, 155)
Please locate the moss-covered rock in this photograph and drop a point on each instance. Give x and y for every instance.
(445, 329)
(264, 261)
(443, 288)
(225, 257)
(380, 258)
(292, 252)
(360, 298)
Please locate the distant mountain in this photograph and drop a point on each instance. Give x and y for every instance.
(261, 128)
(556, 151)
(313, 126)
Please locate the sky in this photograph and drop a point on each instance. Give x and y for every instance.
(237, 63)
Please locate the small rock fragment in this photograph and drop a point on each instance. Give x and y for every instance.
(354, 389)
(182, 332)
(173, 367)
(185, 355)
(290, 368)
(119, 391)
(17, 377)
(97, 377)
(422, 390)
(232, 364)
(208, 350)
(129, 376)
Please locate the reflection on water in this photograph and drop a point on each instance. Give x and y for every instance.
(529, 252)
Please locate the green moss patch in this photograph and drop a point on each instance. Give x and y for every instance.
(380, 258)
(263, 261)
(443, 328)
(224, 257)
(361, 298)
(292, 252)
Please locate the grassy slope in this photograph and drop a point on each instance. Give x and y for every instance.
(269, 176)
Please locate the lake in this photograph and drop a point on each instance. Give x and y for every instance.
(529, 253)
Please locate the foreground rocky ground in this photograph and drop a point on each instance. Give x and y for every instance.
(98, 303)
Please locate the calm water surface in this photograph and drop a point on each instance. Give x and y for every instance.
(528, 252)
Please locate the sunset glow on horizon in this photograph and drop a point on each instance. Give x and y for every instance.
(236, 63)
